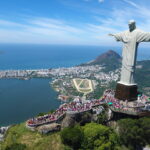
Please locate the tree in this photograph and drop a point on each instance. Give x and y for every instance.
(99, 137)
(145, 125)
(72, 137)
(131, 133)
(102, 118)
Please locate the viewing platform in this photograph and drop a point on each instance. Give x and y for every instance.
(140, 107)
(73, 107)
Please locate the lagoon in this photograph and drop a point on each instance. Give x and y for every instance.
(22, 99)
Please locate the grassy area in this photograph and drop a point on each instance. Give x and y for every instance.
(33, 140)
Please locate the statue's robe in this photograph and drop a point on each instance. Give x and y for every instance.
(130, 44)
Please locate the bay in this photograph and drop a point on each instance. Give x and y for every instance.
(21, 99)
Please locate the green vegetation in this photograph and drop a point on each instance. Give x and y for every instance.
(44, 113)
(98, 92)
(143, 76)
(16, 146)
(112, 85)
(99, 137)
(129, 134)
(84, 84)
(134, 133)
(102, 117)
(92, 136)
(67, 90)
(85, 90)
(110, 60)
(19, 137)
(72, 137)
(111, 65)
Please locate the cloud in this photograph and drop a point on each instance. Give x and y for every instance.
(100, 1)
(54, 24)
(41, 30)
(118, 19)
(50, 31)
(141, 13)
(131, 3)
(60, 31)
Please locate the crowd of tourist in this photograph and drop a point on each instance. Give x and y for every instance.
(125, 106)
(75, 107)
(111, 100)
(80, 106)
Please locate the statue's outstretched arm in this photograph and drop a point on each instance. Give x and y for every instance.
(143, 37)
(117, 36)
(110, 34)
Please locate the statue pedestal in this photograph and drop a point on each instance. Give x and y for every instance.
(126, 92)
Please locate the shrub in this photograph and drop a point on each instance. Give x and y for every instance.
(72, 137)
(16, 146)
(134, 133)
(99, 137)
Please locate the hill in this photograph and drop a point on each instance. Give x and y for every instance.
(109, 60)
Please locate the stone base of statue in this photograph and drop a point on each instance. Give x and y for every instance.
(126, 92)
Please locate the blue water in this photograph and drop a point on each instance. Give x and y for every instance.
(52, 56)
(20, 99)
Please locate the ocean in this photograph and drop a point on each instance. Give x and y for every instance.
(21, 99)
(13, 56)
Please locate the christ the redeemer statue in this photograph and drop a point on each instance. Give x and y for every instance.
(131, 39)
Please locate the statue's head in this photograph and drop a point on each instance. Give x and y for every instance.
(132, 25)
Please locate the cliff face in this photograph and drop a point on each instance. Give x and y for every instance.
(79, 118)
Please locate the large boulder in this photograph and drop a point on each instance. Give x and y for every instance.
(68, 121)
(44, 129)
(76, 118)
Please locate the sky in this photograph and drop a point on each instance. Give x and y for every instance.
(72, 22)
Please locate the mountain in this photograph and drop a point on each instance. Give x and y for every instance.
(110, 60)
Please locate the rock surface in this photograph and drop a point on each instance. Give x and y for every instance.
(3, 131)
(44, 129)
(79, 118)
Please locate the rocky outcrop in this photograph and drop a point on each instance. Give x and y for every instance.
(76, 118)
(68, 121)
(44, 129)
(3, 131)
